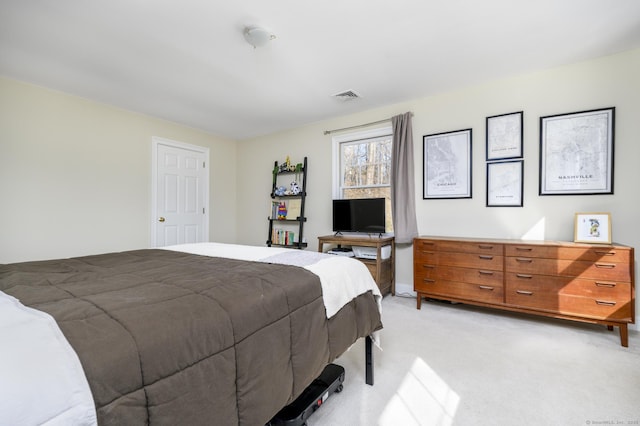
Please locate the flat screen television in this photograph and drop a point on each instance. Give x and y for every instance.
(359, 215)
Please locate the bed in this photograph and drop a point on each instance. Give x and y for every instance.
(193, 334)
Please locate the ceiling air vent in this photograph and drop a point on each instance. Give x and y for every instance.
(347, 95)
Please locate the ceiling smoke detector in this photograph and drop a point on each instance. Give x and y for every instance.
(347, 95)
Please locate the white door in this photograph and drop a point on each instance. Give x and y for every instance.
(180, 188)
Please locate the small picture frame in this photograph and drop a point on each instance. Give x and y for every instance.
(446, 165)
(505, 181)
(593, 228)
(504, 136)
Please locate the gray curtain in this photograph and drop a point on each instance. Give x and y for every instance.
(403, 203)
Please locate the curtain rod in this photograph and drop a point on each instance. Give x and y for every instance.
(328, 132)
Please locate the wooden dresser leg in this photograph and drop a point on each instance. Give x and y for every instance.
(610, 327)
(624, 335)
(419, 301)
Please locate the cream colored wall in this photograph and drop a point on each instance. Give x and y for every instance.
(75, 175)
(609, 81)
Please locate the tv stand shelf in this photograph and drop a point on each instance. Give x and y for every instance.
(382, 270)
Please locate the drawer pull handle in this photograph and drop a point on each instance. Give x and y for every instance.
(427, 280)
(485, 247)
(603, 284)
(428, 266)
(605, 265)
(524, 292)
(605, 253)
(485, 287)
(481, 272)
(523, 249)
(485, 257)
(523, 260)
(605, 303)
(526, 276)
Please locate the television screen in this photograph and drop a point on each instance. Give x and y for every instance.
(359, 215)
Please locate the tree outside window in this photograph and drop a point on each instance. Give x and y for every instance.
(365, 171)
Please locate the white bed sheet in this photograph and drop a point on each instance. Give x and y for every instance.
(41, 378)
(342, 278)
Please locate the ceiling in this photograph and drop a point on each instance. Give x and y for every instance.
(187, 61)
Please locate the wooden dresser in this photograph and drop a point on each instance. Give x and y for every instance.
(580, 282)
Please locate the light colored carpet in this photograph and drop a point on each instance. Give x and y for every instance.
(463, 365)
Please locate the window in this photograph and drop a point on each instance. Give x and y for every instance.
(362, 166)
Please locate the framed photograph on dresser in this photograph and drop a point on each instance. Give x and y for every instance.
(592, 228)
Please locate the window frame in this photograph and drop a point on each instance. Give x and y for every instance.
(338, 140)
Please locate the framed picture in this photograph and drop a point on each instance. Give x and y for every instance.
(593, 228)
(505, 181)
(576, 153)
(504, 136)
(446, 166)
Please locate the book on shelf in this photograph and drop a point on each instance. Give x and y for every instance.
(273, 209)
(283, 237)
(293, 209)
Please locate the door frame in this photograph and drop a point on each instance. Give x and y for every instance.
(155, 141)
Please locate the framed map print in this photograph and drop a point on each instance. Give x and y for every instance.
(505, 183)
(576, 153)
(446, 165)
(504, 136)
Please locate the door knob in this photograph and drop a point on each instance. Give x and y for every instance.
(161, 219)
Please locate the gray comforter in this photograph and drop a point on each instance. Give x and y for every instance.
(173, 338)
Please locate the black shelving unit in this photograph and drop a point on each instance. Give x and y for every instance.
(291, 223)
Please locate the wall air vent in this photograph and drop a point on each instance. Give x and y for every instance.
(347, 95)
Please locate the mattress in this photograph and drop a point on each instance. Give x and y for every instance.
(173, 337)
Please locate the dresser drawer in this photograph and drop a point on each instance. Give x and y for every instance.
(474, 276)
(471, 247)
(589, 307)
(573, 268)
(426, 247)
(460, 290)
(424, 256)
(568, 286)
(425, 243)
(469, 260)
(585, 253)
(462, 260)
(425, 270)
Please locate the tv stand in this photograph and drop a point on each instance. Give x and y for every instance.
(382, 270)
